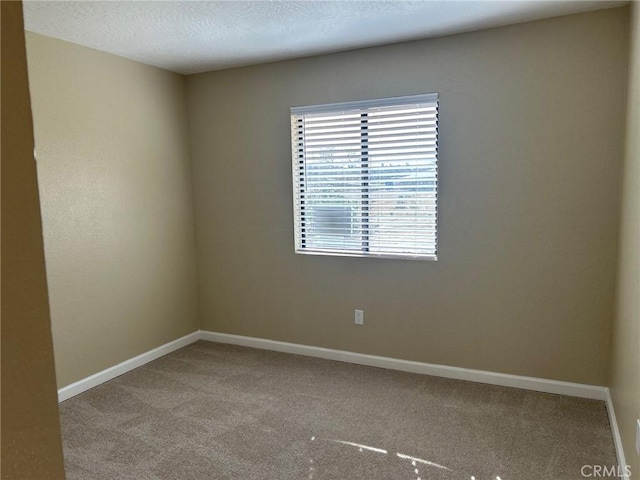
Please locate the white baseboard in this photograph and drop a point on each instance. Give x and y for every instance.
(480, 376)
(458, 373)
(622, 461)
(105, 375)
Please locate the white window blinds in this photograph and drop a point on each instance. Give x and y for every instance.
(365, 177)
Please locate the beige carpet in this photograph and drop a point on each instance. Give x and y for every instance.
(212, 411)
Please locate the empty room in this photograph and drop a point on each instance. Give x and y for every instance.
(321, 240)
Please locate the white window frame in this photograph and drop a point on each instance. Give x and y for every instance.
(299, 172)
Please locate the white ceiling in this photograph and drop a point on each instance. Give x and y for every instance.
(198, 36)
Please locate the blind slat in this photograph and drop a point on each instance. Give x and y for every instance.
(378, 125)
(311, 119)
(356, 133)
(405, 138)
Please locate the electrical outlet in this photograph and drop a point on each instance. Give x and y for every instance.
(638, 436)
(359, 317)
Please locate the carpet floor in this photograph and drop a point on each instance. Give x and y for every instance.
(213, 411)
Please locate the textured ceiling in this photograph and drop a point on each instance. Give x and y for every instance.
(197, 36)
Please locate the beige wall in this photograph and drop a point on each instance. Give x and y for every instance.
(115, 181)
(532, 125)
(31, 447)
(625, 372)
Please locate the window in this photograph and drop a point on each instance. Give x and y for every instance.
(365, 177)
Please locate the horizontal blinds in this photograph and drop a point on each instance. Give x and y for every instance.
(365, 177)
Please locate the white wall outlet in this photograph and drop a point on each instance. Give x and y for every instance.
(359, 317)
(638, 436)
